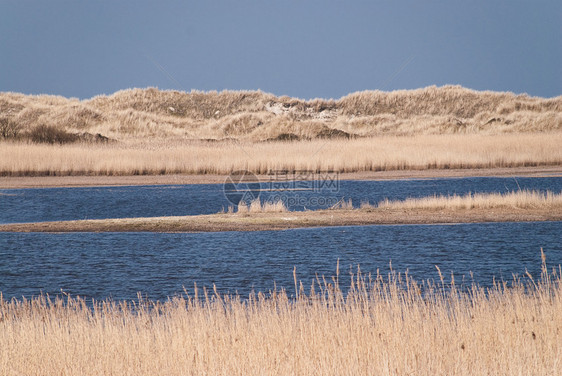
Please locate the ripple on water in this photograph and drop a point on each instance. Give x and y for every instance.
(118, 265)
(53, 204)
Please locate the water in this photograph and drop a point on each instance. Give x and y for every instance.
(53, 204)
(118, 265)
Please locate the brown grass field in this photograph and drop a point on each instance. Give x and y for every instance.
(167, 132)
(356, 155)
(384, 325)
(259, 216)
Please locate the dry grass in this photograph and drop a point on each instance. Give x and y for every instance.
(344, 204)
(366, 154)
(524, 199)
(257, 116)
(382, 325)
(257, 206)
(162, 132)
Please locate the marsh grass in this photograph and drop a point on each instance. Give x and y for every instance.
(259, 206)
(384, 324)
(522, 199)
(353, 155)
(168, 132)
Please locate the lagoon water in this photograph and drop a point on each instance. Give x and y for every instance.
(53, 204)
(119, 265)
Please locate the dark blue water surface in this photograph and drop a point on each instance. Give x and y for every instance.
(118, 265)
(51, 204)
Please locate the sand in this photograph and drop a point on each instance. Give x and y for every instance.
(290, 220)
(88, 181)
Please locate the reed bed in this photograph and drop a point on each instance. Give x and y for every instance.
(522, 199)
(354, 155)
(383, 325)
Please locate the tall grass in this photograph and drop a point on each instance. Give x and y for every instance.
(387, 325)
(367, 154)
(523, 199)
(258, 206)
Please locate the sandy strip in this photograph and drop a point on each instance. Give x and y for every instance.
(289, 220)
(89, 181)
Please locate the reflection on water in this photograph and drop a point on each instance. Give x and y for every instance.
(119, 265)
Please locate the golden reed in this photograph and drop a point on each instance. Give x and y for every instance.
(389, 325)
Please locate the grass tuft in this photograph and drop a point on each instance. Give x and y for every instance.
(257, 206)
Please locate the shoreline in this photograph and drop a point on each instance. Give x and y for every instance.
(291, 220)
(22, 182)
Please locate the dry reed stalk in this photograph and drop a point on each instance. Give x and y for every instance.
(388, 326)
(368, 154)
(257, 206)
(523, 199)
(343, 204)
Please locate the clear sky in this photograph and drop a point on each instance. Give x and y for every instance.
(302, 48)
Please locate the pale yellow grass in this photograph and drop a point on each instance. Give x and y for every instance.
(257, 116)
(524, 199)
(366, 154)
(382, 326)
(257, 206)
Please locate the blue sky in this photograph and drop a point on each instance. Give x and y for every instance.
(301, 48)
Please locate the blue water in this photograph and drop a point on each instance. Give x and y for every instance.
(118, 265)
(31, 205)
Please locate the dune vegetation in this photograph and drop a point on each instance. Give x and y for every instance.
(148, 131)
(384, 325)
(257, 116)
